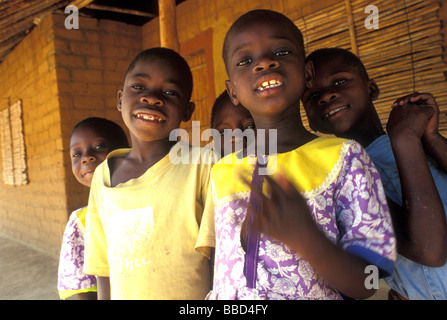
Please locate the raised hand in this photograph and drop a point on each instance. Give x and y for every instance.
(283, 214)
(425, 100)
(413, 116)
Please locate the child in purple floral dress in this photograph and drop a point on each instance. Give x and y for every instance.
(310, 229)
(91, 140)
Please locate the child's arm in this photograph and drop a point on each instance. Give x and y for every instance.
(103, 288)
(285, 216)
(421, 224)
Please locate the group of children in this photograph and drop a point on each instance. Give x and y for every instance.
(332, 207)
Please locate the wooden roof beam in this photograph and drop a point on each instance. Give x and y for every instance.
(168, 24)
(120, 10)
(81, 3)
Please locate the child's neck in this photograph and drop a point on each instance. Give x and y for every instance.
(290, 132)
(142, 156)
(366, 133)
(150, 152)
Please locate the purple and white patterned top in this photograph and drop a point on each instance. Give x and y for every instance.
(346, 197)
(71, 278)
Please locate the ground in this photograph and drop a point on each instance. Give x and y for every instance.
(29, 274)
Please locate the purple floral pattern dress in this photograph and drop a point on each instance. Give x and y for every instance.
(71, 278)
(345, 194)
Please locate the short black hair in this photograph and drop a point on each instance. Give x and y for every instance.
(221, 99)
(348, 58)
(169, 56)
(108, 129)
(264, 16)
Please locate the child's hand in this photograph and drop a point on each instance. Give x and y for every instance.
(413, 116)
(428, 102)
(284, 214)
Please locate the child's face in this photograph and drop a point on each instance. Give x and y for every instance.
(339, 100)
(266, 69)
(87, 150)
(229, 116)
(153, 101)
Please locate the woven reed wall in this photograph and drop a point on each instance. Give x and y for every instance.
(403, 55)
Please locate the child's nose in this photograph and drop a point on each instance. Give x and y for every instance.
(266, 64)
(88, 158)
(152, 99)
(327, 97)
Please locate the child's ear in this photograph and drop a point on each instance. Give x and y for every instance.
(190, 106)
(120, 99)
(309, 73)
(231, 92)
(373, 89)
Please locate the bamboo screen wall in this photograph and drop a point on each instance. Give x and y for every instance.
(403, 55)
(13, 145)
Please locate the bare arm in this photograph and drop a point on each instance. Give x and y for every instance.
(87, 296)
(434, 143)
(421, 225)
(103, 288)
(436, 147)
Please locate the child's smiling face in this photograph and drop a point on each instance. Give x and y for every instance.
(340, 99)
(154, 100)
(266, 68)
(229, 116)
(88, 149)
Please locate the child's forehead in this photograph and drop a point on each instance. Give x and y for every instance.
(88, 132)
(242, 37)
(228, 109)
(279, 29)
(152, 64)
(168, 69)
(333, 64)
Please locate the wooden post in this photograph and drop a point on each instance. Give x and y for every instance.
(168, 24)
(354, 47)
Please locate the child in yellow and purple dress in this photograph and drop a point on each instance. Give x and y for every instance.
(91, 140)
(310, 230)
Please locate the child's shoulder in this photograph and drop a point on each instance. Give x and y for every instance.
(328, 142)
(184, 153)
(325, 148)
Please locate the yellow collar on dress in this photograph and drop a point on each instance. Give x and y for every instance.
(311, 168)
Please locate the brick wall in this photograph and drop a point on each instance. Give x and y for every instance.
(35, 212)
(90, 63)
(61, 77)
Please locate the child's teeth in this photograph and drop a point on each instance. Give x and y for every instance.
(334, 111)
(269, 84)
(149, 117)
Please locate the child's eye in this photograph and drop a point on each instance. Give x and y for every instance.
(75, 154)
(171, 93)
(314, 95)
(340, 82)
(250, 126)
(137, 87)
(100, 146)
(281, 53)
(243, 62)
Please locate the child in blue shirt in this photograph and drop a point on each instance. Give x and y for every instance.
(340, 102)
